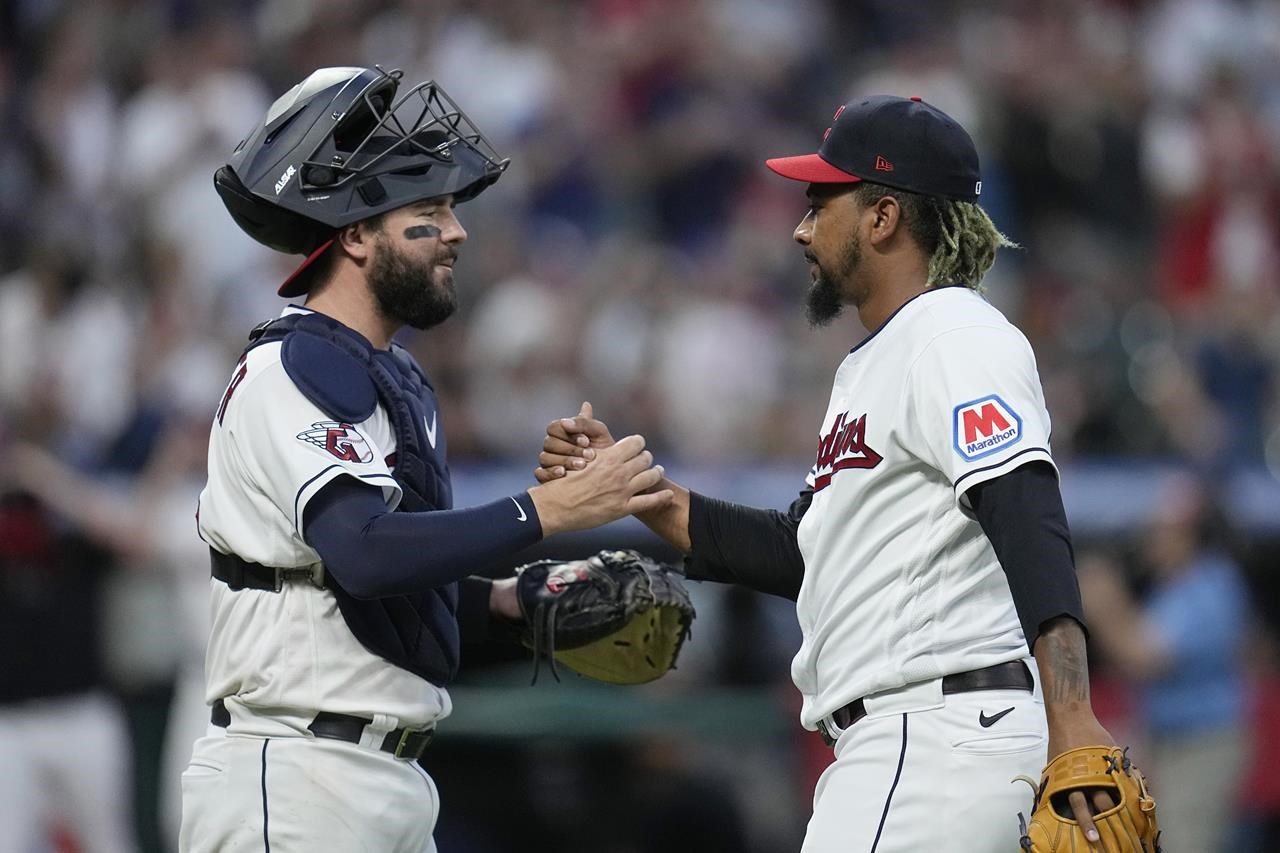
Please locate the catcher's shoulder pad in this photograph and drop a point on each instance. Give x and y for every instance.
(328, 369)
(325, 361)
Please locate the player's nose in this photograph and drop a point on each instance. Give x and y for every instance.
(451, 230)
(804, 231)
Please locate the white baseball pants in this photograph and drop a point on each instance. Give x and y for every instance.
(303, 795)
(922, 772)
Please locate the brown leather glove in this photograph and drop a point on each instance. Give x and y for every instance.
(1129, 827)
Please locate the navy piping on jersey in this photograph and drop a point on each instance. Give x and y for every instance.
(863, 342)
(297, 522)
(902, 757)
(266, 839)
(966, 475)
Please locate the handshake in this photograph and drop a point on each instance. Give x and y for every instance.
(587, 479)
(618, 616)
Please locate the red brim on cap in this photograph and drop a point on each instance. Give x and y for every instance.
(811, 168)
(292, 285)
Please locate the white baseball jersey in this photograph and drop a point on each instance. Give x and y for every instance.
(270, 451)
(901, 584)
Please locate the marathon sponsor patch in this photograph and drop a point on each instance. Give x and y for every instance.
(340, 440)
(984, 426)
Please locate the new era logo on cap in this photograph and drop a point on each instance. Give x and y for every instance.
(903, 143)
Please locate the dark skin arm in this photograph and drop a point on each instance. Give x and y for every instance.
(571, 444)
(1064, 678)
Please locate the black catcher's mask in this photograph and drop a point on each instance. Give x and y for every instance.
(340, 147)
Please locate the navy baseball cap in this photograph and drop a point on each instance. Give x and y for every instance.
(902, 143)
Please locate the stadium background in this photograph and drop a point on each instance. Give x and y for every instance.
(638, 255)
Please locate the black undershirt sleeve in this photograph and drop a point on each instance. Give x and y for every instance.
(1021, 512)
(475, 621)
(755, 548)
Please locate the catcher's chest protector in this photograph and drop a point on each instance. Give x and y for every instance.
(344, 376)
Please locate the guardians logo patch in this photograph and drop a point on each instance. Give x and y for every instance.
(340, 440)
(984, 426)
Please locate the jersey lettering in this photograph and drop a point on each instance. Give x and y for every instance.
(984, 426)
(231, 389)
(339, 439)
(843, 447)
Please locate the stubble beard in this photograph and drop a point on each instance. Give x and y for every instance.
(412, 292)
(827, 295)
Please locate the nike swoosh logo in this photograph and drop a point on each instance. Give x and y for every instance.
(524, 517)
(987, 722)
(431, 429)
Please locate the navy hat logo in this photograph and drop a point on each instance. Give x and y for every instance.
(903, 143)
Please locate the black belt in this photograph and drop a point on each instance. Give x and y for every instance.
(405, 742)
(1013, 675)
(239, 574)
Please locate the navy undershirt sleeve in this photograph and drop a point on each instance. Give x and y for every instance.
(756, 548)
(475, 620)
(1021, 512)
(373, 553)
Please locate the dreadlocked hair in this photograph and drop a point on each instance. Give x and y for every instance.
(958, 237)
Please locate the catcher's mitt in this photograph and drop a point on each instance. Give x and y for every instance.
(617, 617)
(1129, 827)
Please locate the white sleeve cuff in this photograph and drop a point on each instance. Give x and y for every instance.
(391, 492)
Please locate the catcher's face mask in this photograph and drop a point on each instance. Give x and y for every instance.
(344, 145)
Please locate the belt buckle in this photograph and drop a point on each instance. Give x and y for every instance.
(413, 742)
(312, 574)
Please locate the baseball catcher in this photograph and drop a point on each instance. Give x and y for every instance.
(617, 617)
(343, 575)
(1127, 826)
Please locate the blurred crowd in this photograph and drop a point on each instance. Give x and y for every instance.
(636, 254)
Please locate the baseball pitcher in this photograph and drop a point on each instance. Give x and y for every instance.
(928, 552)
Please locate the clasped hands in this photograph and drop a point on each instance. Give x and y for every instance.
(611, 478)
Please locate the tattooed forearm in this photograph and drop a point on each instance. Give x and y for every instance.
(1063, 663)
(421, 232)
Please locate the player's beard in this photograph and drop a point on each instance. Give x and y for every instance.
(826, 298)
(410, 291)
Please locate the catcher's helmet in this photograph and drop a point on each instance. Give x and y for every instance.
(339, 147)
